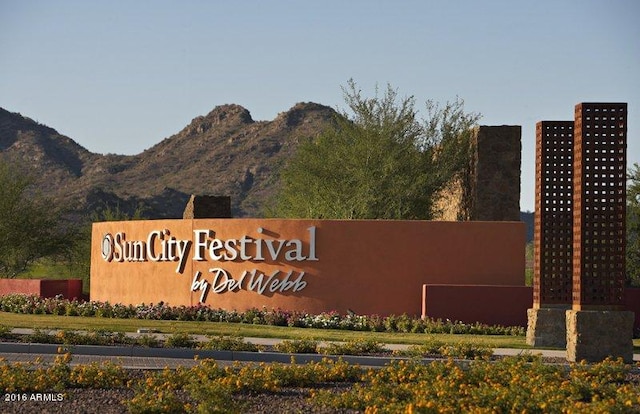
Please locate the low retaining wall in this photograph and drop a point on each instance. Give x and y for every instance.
(46, 288)
(493, 305)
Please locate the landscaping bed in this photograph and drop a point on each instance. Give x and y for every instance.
(459, 375)
(513, 384)
(35, 305)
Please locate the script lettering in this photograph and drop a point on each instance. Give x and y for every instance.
(200, 285)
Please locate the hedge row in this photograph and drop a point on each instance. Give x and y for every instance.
(32, 304)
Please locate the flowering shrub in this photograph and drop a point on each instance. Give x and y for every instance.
(156, 392)
(32, 376)
(513, 384)
(31, 304)
(212, 387)
(97, 375)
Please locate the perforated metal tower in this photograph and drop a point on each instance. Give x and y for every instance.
(599, 206)
(553, 228)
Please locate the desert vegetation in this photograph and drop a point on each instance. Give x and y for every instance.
(515, 384)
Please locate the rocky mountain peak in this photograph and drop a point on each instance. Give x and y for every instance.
(303, 111)
(229, 114)
(224, 115)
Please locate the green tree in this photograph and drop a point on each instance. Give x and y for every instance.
(30, 226)
(633, 226)
(377, 161)
(78, 257)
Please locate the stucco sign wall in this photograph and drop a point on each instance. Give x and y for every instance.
(307, 265)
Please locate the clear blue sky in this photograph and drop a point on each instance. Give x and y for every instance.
(119, 76)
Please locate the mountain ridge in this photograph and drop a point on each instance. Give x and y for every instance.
(224, 152)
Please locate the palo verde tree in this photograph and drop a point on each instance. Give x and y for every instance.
(633, 226)
(377, 161)
(30, 227)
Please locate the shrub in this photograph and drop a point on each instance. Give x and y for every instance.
(253, 316)
(300, 346)
(509, 385)
(146, 340)
(431, 348)
(41, 337)
(72, 338)
(277, 317)
(437, 348)
(180, 340)
(5, 333)
(229, 343)
(466, 351)
(514, 384)
(213, 397)
(355, 347)
(97, 375)
(29, 304)
(103, 337)
(156, 393)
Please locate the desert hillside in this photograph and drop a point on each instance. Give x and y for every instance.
(224, 152)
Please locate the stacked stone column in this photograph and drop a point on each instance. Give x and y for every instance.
(580, 235)
(207, 206)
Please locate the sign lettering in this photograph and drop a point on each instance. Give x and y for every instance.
(162, 246)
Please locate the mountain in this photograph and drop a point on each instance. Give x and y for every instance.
(224, 152)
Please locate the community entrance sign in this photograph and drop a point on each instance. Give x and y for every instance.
(162, 246)
(306, 265)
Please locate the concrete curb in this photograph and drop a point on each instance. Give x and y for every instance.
(187, 353)
(190, 354)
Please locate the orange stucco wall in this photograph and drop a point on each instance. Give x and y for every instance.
(491, 305)
(46, 288)
(364, 266)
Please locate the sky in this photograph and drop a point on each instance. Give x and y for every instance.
(119, 76)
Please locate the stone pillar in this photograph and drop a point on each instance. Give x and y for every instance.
(205, 206)
(546, 327)
(553, 227)
(489, 187)
(496, 175)
(595, 335)
(597, 325)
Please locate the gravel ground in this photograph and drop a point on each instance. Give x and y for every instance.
(99, 401)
